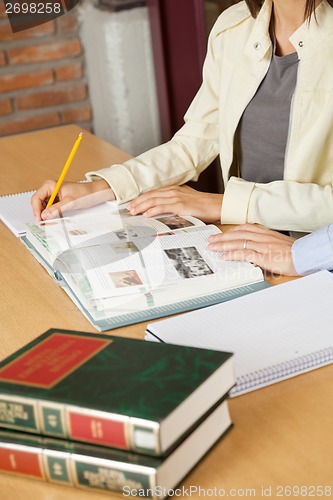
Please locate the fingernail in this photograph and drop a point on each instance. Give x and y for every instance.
(46, 215)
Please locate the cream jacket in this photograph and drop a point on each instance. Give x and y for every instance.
(238, 57)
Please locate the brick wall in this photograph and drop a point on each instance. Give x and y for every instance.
(42, 80)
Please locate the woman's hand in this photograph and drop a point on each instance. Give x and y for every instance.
(71, 196)
(178, 200)
(267, 249)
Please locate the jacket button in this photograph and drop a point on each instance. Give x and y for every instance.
(257, 45)
(301, 44)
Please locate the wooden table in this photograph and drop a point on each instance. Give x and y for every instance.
(282, 434)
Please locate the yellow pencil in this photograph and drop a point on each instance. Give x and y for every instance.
(64, 170)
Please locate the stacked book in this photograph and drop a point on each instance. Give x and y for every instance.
(109, 413)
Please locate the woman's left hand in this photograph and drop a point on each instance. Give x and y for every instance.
(179, 200)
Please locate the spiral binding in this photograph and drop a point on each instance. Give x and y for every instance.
(283, 370)
(17, 194)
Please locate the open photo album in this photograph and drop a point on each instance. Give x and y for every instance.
(122, 269)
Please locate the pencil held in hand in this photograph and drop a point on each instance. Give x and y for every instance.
(64, 170)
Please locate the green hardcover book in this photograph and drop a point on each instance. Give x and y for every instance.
(104, 469)
(111, 391)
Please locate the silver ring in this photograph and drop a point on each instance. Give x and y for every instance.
(245, 244)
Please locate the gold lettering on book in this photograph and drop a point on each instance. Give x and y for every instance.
(52, 358)
(9, 412)
(52, 420)
(12, 461)
(64, 360)
(96, 429)
(110, 479)
(57, 469)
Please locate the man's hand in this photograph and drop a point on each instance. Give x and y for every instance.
(267, 249)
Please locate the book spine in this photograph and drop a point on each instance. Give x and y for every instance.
(77, 471)
(19, 413)
(79, 424)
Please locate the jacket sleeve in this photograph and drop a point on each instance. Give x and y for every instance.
(280, 205)
(185, 156)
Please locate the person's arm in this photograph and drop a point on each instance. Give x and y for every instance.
(314, 252)
(183, 158)
(276, 252)
(178, 161)
(283, 205)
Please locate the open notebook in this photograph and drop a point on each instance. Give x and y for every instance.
(15, 211)
(275, 333)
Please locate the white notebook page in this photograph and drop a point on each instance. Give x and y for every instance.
(15, 211)
(263, 329)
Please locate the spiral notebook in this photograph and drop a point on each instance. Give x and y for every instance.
(15, 211)
(275, 333)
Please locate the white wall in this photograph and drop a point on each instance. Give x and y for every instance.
(121, 76)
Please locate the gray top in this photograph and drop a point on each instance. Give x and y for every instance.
(263, 128)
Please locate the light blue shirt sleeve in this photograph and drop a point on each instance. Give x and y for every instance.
(314, 252)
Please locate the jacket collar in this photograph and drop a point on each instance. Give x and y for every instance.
(307, 36)
(315, 32)
(231, 17)
(259, 41)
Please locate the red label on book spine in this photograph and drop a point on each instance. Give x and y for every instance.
(97, 430)
(21, 462)
(51, 360)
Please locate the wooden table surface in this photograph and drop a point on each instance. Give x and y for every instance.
(282, 438)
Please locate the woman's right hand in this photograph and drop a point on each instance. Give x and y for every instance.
(71, 196)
